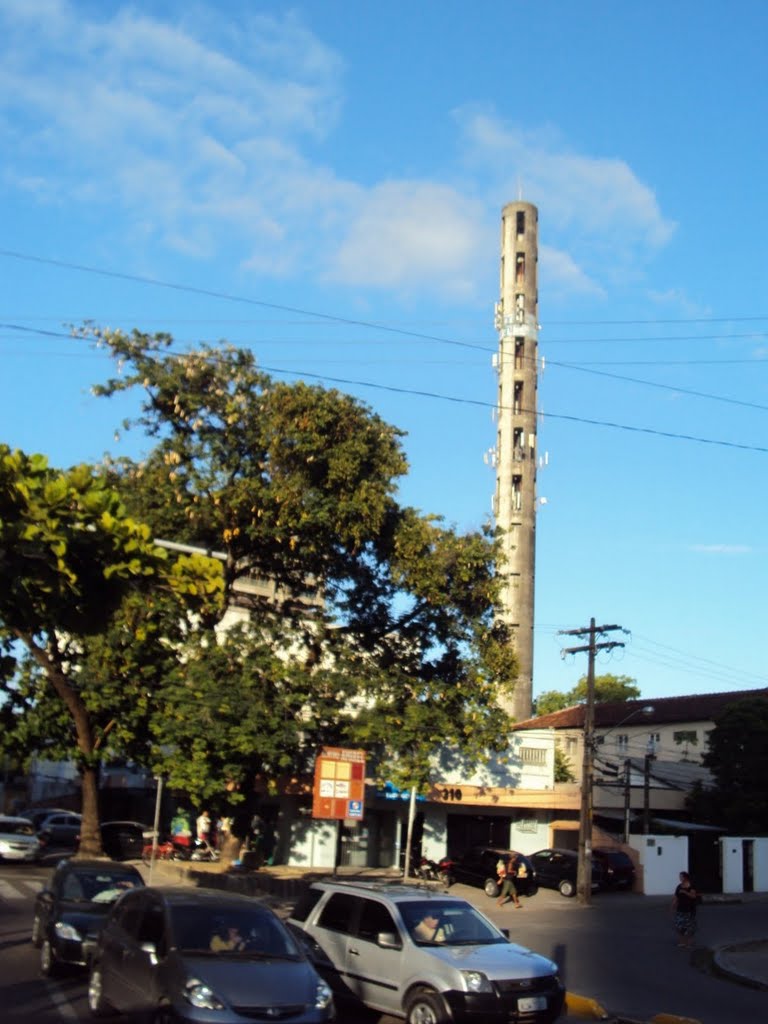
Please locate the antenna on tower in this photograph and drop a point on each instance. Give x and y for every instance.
(519, 190)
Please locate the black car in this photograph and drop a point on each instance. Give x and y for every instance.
(123, 840)
(618, 869)
(479, 866)
(71, 910)
(203, 956)
(558, 869)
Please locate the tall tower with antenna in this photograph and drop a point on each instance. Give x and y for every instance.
(515, 453)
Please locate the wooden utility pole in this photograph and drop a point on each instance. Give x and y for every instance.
(584, 872)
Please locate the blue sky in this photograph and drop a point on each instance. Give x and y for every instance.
(323, 181)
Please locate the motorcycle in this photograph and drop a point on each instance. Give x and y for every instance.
(445, 874)
(203, 850)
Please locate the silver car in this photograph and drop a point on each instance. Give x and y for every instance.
(18, 840)
(424, 956)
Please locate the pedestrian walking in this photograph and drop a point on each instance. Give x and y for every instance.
(683, 908)
(506, 875)
(203, 825)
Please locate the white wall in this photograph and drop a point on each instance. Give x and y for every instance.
(662, 858)
(528, 835)
(312, 843)
(435, 835)
(732, 860)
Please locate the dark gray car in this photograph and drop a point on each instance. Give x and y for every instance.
(201, 956)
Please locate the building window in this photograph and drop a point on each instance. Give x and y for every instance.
(533, 755)
(517, 403)
(520, 268)
(622, 743)
(521, 222)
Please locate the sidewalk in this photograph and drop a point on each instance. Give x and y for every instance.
(746, 963)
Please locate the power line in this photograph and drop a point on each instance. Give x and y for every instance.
(230, 297)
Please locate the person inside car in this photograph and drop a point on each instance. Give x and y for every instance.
(429, 929)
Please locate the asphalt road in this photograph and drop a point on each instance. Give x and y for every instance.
(620, 951)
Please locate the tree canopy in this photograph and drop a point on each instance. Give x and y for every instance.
(89, 611)
(737, 756)
(383, 617)
(608, 687)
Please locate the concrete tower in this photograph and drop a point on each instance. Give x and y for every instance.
(515, 455)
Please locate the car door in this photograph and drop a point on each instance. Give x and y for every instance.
(334, 926)
(146, 945)
(545, 870)
(117, 942)
(375, 970)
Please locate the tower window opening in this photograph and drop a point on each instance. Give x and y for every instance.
(519, 353)
(519, 308)
(517, 402)
(520, 268)
(517, 493)
(521, 222)
(518, 444)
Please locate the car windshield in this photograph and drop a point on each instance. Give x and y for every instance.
(444, 923)
(17, 828)
(97, 886)
(231, 931)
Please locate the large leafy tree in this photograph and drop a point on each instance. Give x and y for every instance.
(89, 611)
(296, 485)
(737, 756)
(607, 688)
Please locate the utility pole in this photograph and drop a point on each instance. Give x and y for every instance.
(584, 872)
(627, 797)
(649, 758)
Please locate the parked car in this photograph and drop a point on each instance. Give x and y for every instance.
(478, 866)
(123, 840)
(61, 828)
(37, 815)
(203, 956)
(72, 908)
(423, 955)
(17, 839)
(618, 869)
(558, 869)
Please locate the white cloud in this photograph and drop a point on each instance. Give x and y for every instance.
(406, 233)
(197, 132)
(595, 205)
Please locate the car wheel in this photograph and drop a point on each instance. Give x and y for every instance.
(49, 965)
(567, 887)
(425, 1007)
(37, 932)
(491, 887)
(97, 1004)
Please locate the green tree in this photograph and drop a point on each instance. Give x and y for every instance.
(297, 485)
(563, 770)
(737, 756)
(607, 688)
(83, 592)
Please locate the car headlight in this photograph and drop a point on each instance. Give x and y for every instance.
(200, 995)
(4, 847)
(323, 995)
(67, 931)
(476, 981)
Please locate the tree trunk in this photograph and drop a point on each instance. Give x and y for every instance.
(90, 833)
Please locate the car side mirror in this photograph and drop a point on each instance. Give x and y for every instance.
(388, 940)
(504, 932)
(151, 950)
